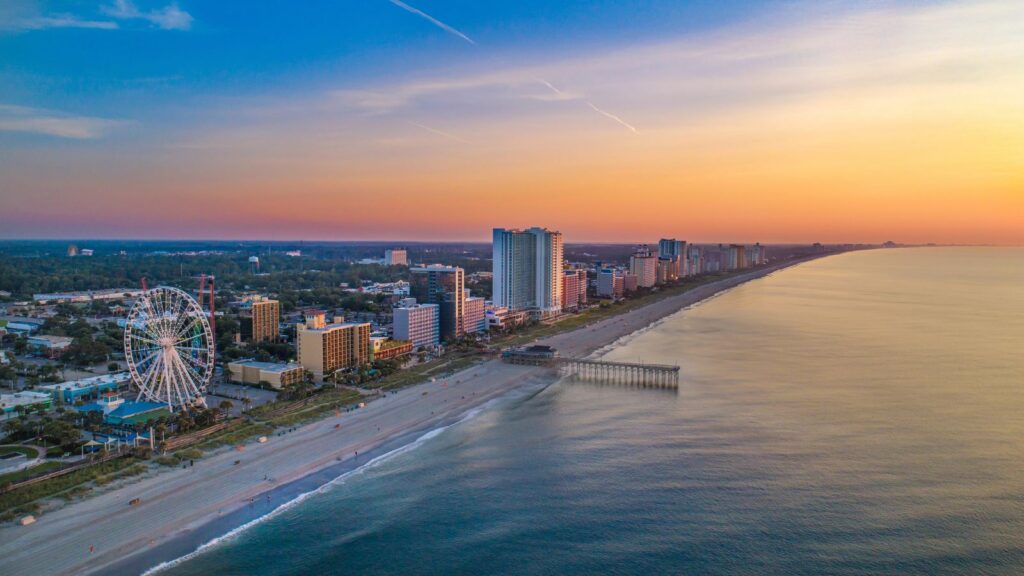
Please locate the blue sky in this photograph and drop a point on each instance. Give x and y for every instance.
(711, 121)
(231, 49)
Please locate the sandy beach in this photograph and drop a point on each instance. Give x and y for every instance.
(175, 503)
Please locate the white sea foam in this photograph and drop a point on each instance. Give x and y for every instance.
(377, 461)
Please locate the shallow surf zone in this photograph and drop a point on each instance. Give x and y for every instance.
(624, 340)
(340, 480)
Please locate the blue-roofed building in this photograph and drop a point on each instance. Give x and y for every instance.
(71, 392)
(118, 411)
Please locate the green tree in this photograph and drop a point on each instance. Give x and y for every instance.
(8, 374)
(61, 432)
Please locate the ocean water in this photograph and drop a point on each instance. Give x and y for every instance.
(860, 414)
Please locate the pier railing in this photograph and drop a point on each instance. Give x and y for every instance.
(639, 374)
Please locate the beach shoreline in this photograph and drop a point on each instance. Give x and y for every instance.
(181, 509)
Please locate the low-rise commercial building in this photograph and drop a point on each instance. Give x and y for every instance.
(21, 325)
(51, 346)
(27, 400)
(71, 392)
(388, 349)
(121, 412)
(501, 317)
(86, 296)
(276, 374)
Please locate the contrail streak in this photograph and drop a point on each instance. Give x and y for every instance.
(553, 89)
(455, 32)
(612, 116)
(440, 132)
(588, 103)
(432, 20)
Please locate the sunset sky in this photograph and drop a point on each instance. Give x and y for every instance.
(440, 119)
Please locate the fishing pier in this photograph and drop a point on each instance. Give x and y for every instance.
(628, 373)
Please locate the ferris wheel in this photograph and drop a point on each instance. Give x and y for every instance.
(168, 345)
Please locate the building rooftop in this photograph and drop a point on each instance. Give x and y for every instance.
(115, 378)
(269, 366)
(24, 320)
(435, 268)
(414, 305)
(125, 410)
(330, 327)
(25, 398)
(58, 341)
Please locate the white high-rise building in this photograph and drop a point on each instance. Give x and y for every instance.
(417, 323)
(609, 283)
(528, 270)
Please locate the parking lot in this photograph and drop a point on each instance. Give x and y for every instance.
(237, 395)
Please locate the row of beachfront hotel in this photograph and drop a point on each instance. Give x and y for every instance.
(531, 280)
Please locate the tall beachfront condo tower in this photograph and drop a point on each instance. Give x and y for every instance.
(695, 261)
(756, 255)
(446, 287)
(528, 270)
(644, 265)
(674, 251)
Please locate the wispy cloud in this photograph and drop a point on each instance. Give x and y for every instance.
(60, 21)
(432, 20)
(170, 17)
(448, 135)
(50, 123)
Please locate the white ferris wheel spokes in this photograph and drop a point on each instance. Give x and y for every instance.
(168, 345)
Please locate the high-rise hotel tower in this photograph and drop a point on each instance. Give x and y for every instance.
(446, 287)
(528, 270)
